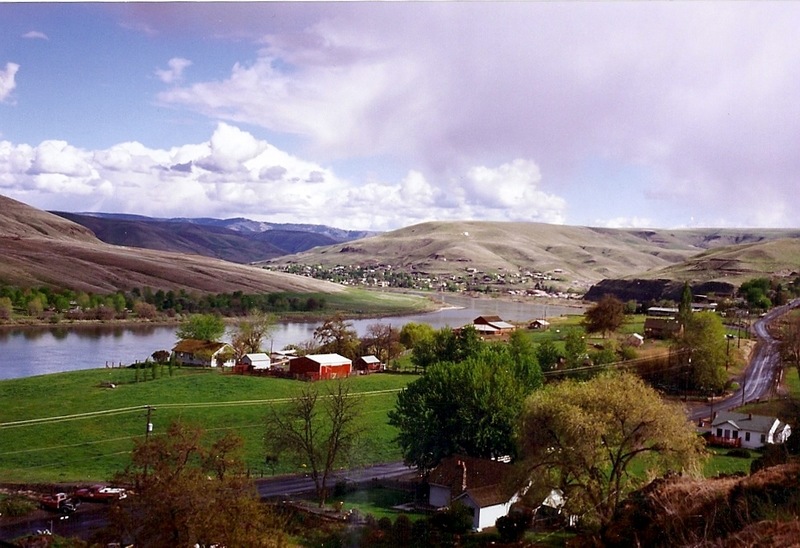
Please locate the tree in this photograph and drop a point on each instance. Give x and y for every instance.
(703, 345)
(336, 335)
(469, 407)
(322, 430)
(604, 317)
(685, 306)
(250, 333)
(446, 345)
(548, 355)
(191, 492)
(383, 341)
(574, 348)
(413, 332)
(6, 308)
(790, 341)
(586, 438)
(203, 327)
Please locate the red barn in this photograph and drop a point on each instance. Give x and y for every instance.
(320, 366)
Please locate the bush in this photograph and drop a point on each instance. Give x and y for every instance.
(15, 506)
(512, 527)
(739, 452)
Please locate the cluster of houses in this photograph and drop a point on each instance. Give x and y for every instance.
(194, 352)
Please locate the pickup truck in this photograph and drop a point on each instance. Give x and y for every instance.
(101, 493)
(58, 502)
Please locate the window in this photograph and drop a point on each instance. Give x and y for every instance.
(747, 436)
(727, 434)
(763, 438)
(736, 434)
(719, 432)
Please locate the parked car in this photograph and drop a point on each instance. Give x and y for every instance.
(101, 493)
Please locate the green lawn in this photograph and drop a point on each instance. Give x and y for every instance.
(377, 501)
(86, 432)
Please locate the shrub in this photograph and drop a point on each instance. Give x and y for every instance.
(512, 527)
(15, 506)
(739, 452)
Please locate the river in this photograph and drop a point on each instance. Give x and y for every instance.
(30, 351)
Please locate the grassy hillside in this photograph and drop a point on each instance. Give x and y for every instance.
(39, 248)
(66, 427)
(581, 253)
(737, 263)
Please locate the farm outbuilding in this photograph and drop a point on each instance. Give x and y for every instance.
(320, 366)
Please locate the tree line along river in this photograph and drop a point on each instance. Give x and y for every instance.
(29, 351)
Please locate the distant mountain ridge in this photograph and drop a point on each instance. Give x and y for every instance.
(238, 240)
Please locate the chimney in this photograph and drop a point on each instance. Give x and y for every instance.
(463, 475)
(749, 416)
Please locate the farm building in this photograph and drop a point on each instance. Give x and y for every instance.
(257, 361)
(492, 325)
(368, 364)
(320, 366)
(480, 484)
(203, 353)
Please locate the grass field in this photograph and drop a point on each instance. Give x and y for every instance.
(68, 428)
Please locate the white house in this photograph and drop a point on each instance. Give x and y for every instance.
(203, 353)
(752, 431)
(479, 484)
(259, 361)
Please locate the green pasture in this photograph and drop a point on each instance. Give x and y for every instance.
(68, 427)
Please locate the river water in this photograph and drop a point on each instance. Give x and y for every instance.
(30, 351)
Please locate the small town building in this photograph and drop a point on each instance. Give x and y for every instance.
(203, 353)
(634, 339)
(368, 364)
(747, 430)
(661, 328)
(492, 325)
(481, 484)
(257, 361)
(541, 325)
(316, 367)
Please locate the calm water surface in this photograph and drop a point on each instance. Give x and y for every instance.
(25, 352)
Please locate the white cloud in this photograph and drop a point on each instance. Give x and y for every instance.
(174, 73)
(35, 35)
(7, 80)
(235, 174)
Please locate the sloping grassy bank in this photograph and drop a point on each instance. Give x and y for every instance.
(69, 427)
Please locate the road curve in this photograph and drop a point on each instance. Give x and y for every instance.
(761, 374)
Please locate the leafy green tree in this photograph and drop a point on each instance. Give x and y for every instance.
(756, 292)
(604, 317)
(203, 327)
(322, 430)
(413, 332)
(588, 439)
(704, 346)
(685, 306)
(446, 345)
(469, 407)
(574, 348)
(525, 365)
(6, 308)
(548, 355)
(190, 491)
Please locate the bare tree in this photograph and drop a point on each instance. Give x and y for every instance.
(251, 333)
(322, 430)
(383, 341)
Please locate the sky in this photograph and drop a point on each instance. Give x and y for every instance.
(380, 115)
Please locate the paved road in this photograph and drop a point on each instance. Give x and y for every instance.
(285, 487)
(761, 376)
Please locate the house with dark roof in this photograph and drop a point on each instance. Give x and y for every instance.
(492, 325)
(661, 328)
(203, 353)
(751, 431)
(480, 484)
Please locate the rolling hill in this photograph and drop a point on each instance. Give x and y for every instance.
(42, 249)
(583, 255)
